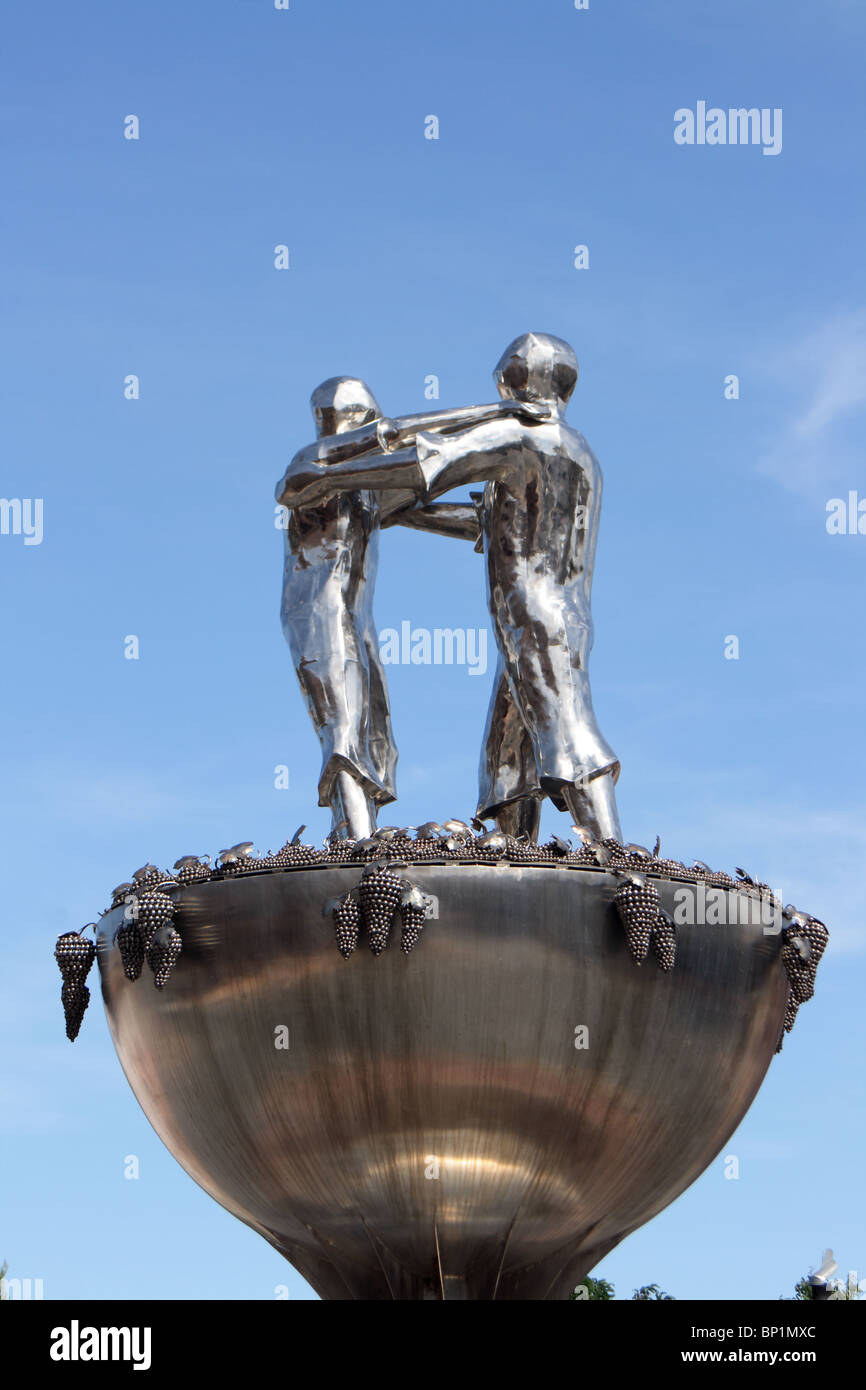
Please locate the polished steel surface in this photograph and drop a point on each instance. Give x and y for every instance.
(539, 522)
(458, 1060)
(327, 619)
(331, 555)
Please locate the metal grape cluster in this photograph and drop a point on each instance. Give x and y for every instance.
(637, 902)
(452, 841)
(75, 956)
(373, 904)
(664, 941)
(347, 922)
(645, 921)
(148, 933)
(805, 941)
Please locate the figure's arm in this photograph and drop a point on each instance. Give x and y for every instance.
(457, 519)
(307, 481)
(333, 448)
(398, 433)
(482, 454)
(390, 436)
(436, 465)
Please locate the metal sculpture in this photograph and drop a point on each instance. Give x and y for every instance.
(555, 1051)
(330, 571)
(539, 521)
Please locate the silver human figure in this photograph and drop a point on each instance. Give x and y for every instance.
(327, 619)
(331, 553)
(539, 518)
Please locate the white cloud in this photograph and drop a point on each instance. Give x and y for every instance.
(826, 372)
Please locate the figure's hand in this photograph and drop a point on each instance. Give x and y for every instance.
(428, 450)
(388, 432)
(296, 480)
(528, 410)
(427, 446)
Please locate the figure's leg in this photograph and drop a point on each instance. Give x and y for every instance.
(521, 817)
(331, 660)
(333, 680)
(508, 785)
(593, 805)
(383, 749)
(575, 765)
(353, 813)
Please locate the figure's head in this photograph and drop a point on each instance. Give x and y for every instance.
(343, 403)
(537, 367)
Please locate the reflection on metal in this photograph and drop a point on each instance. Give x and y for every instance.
(483, 1119)
(538, 521)
(487, 1116)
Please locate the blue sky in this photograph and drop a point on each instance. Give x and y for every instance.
(412, 257)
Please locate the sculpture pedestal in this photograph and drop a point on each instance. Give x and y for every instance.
(432, 1130)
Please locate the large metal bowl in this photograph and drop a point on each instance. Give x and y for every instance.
(432, 1130)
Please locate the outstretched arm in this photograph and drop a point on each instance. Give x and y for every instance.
(386, 435)
(334, 448)
(478, 455)
(403, 430)
(457, 519)
(436, 465)
(306, 481)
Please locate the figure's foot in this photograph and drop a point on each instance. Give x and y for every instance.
(520, 818)
(354, 815)
(593, 807)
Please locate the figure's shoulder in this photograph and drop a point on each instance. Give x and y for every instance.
(578, 448)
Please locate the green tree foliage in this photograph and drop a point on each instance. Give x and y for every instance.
(597, 1290)
(593, 1290)
(841, 1291)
